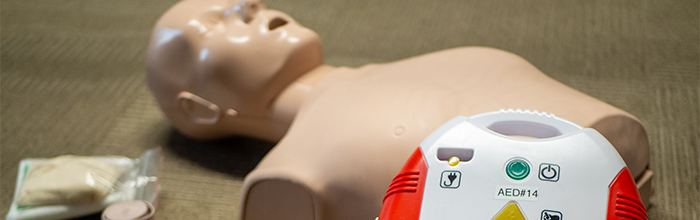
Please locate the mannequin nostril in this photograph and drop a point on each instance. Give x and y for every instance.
(276, 22)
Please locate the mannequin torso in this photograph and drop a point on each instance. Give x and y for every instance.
(358, 126)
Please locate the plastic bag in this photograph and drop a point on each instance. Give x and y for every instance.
(73, 186)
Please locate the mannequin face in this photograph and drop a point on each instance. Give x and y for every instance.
(213, 62)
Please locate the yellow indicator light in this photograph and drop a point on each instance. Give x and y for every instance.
(453, 161)
(510, 212)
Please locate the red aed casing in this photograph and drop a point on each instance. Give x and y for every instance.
(404, 197)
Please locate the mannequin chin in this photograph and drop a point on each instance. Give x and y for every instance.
(225, 68)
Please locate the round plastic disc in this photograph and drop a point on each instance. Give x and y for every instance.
(128, 210)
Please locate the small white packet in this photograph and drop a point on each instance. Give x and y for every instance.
(73, 186)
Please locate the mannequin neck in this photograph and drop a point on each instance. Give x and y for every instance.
(285, 107)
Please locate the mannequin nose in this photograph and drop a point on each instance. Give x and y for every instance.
(245, 9)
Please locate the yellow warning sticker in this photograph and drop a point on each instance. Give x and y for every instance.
(511, 211)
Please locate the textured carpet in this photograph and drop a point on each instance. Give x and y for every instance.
(73, 80)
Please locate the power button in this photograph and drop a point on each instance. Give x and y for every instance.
(549, 172)
(517, 169)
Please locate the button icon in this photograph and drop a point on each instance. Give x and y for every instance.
(549, 172)
(450, 179)
(517, 169)
(551, 215)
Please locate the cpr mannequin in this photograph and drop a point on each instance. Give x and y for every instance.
(223, 68)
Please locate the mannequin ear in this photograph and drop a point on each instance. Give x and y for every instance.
(197, 109)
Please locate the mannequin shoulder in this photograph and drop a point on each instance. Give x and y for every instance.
(477, 54)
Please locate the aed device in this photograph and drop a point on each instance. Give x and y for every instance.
(484, 167)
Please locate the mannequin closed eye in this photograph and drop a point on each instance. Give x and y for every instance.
(207, 21)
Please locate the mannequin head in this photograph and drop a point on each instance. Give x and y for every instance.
(216, 66)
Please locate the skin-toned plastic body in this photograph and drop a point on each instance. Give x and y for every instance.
(224, 68)
(358, 126)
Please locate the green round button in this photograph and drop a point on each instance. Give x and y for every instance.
(517, 169)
